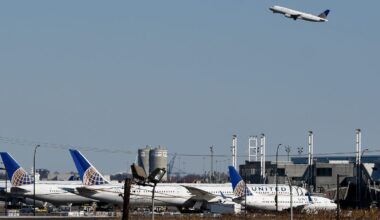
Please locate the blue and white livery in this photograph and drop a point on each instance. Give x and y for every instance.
(290, 13)
(238, 184)
(97, 187)
(16, 174)
(54, 192)
(268, 202)
(88, 173)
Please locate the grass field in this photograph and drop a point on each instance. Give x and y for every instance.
(345, 214)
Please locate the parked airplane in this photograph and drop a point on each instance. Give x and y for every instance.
(290, 13)
(243, 195)
(52, 192)
(170, 194)
(97, 187)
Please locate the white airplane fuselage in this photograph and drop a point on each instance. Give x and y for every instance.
(174, 194)
(55, 193)
(290, 13)
(165, 195)
(269, 203)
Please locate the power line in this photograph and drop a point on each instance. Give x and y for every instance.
(273, 155)
(25, 142)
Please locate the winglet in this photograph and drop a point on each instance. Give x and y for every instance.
(324, 14)
(87, 172)
(16, 174)
(238, 184)
(222, 194)
(309, 198)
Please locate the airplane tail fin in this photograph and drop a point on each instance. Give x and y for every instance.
(87, 172)
(16, 174)
(238, 184)
(324, 14)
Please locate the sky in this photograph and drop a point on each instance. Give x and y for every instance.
(109, 77)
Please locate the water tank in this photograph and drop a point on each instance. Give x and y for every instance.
(158, 158)
(143, 158)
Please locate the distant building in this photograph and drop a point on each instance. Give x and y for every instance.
(359, 183)
(44, 173)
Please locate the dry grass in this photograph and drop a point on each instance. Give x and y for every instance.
(346, 214)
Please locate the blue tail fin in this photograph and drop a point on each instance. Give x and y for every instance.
(87, 172)
(16, 174)
(324, 14)
(238, 184)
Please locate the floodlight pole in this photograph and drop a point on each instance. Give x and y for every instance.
(276, 198)
(34, 180)
(154, 188)
(291, 198)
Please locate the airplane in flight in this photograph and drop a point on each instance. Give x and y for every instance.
(290, 13)
(185, 195)
(54, 192)
(243, 195)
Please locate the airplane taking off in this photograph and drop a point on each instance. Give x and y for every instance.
(290, 13)
(244, 195)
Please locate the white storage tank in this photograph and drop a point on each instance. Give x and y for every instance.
(158, 158)
(143, 158)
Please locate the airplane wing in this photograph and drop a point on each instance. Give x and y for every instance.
(86, 191)
(199, 194)
(294, 16)
(17, 190)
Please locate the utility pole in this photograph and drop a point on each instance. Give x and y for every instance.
(358, 164)
(34, 180)
(291, 197)
(276, 198)
(262, 159)
(212, 164)
(127, 193)
(311, 160)
(337, 197)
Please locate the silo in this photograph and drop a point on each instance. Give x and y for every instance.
(143, 158)
(158, 158)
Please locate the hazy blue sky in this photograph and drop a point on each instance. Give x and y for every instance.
(185, 75)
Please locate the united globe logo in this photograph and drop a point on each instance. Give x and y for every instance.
(20, 177)
(239, 189)
(92, 177)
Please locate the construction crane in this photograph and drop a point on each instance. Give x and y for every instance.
(170, 166)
